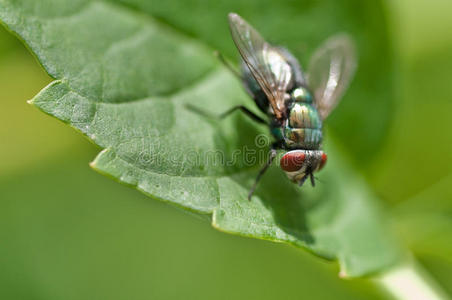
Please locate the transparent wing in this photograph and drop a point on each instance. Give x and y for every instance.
(330, 71)
(265, 62)
(299, 78)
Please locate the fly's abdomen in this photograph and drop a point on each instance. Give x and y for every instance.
(303, 129)
(303, 138)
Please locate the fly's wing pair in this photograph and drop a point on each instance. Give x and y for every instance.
(268, 66)
(331, 69)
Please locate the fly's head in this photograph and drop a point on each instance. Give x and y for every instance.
(301, 164)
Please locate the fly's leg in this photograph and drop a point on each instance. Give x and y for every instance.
(244, 110)
(234, 72)
(261, 172)
(228, 65)
(238, 107)
(301, 182)
(305, 177)
(312, 179)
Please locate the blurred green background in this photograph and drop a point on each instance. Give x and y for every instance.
(67, 232)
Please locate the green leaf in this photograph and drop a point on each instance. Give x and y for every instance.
(126, 70)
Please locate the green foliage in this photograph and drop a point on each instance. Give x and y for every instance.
(125, 71)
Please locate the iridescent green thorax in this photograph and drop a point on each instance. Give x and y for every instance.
(301, 94)
(303, 127)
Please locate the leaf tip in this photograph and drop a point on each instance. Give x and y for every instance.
(95, 163)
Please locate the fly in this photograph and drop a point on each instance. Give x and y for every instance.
(296, 103)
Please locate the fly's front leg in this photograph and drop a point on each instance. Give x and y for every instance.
(302, 180)
(311, 175)
(262, 171)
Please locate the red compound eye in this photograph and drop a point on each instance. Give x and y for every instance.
(292, 161)
(323, 161)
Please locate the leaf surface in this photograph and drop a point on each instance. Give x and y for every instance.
(125, 72)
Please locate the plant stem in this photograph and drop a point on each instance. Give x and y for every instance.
(410, 281)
